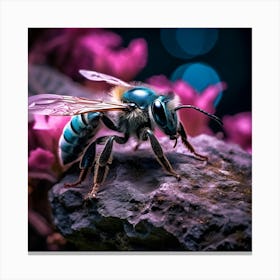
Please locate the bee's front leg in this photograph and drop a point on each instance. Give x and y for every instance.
(159, 153)
(183, 135)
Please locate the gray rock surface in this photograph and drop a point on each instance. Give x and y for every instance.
(139, 207)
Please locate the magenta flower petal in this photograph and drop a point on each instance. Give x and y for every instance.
(57, 124)
(71, 49)
(161, 83)
(40, 159)
(41, 122)
(47, 130)
(40, 164)
(238, 129)
(187, 94)
(209, 96)
(43, 137)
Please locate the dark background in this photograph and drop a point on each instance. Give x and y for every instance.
(231, 57)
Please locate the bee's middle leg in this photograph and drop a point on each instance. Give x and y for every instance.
(102, 163)
(159, 153)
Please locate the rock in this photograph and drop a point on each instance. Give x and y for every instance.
(139, 207)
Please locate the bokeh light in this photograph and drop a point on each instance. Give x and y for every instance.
(196, 41)
(199, 76)
(169, 41)
(187, 43)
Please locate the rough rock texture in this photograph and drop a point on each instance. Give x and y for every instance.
(139, 207)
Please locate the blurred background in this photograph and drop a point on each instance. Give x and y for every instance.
(207, 67)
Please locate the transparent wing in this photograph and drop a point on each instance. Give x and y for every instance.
(63, 105)
(96, 76)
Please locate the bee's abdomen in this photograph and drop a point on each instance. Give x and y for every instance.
(76, 135)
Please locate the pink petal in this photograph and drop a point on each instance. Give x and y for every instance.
(47, 130)
(41, 122)
(40, 159)
(71, 49)
(56, 125)
(238, 129)
(161, 83)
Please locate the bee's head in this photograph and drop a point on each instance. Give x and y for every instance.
(164, 115)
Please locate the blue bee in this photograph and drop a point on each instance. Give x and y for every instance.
(139, 110)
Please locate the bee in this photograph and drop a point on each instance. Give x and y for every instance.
(138, 111)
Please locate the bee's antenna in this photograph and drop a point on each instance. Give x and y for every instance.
(215, 118)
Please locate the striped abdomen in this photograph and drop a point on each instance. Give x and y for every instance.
(76, 135)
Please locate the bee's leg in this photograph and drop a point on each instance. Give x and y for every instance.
(82, 177)
(86, 164)
(183, 135)
(159, 153)
(102, 163)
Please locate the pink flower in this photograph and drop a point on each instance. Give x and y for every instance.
(194, 122)
(43, 137)
(40, 163)
(238, 129)
(71, 49)
(48, 129)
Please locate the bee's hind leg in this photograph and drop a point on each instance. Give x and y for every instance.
(86, 164)
(102, 163)
(81, 178)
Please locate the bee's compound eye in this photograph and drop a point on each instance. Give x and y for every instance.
(159, 113)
